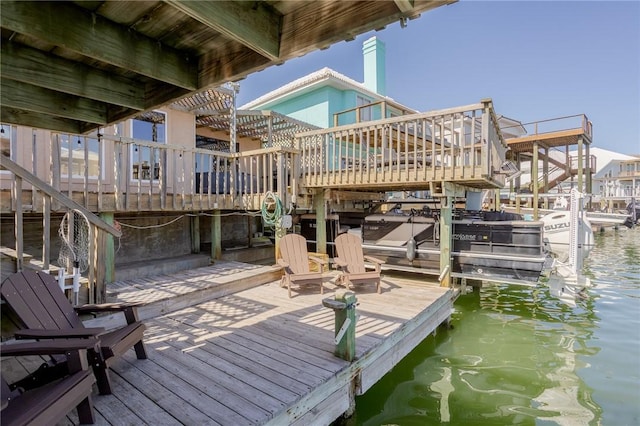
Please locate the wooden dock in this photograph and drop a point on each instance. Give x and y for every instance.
(259, 357)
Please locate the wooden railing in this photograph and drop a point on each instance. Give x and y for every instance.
(541, 127)
(369, 112)
(134, 175)
(41, 191)
(558, 174)
(179, 178)
(461, 145)
(112, 174)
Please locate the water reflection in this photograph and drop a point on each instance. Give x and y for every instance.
(517, 356)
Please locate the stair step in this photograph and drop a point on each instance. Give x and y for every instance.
(183, 289)
(12, 254)
(148, 268)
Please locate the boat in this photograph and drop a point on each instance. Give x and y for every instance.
(486, 245)
(557, 234)
(601, 220)
(597, 220)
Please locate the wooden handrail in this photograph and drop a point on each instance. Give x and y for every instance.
(23, 173)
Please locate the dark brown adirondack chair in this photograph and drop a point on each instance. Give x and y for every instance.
(46, 313)
(50, 403)
(351, 261)
(295, 262)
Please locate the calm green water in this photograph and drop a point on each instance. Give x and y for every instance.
(517, 355)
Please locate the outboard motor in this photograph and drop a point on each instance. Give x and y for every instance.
(629, 222)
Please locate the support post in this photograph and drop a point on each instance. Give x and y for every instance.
(195, 234)
(321, 221)
(46, 232)
(19, 224)
(588, 176)
(518, 182)
(216, 235)
(446, 217)
(344, 307)
(346, 347)
(545, 166)
(106, 253)
(580, 164)
(534, 180)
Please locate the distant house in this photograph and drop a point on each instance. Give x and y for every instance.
(619, 177)
(629, 177)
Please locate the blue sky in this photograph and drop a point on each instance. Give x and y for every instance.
(536, 59)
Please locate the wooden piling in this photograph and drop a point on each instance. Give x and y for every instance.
(346, 346)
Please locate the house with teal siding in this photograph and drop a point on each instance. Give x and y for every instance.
(327, 98)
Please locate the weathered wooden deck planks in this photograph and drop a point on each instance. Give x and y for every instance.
(259, 357)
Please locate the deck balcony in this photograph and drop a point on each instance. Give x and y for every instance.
(411, 152)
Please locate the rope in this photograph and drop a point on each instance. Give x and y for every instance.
(160, 225)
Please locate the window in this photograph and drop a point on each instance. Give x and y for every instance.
(79, 152)
(148, 127)
(7, 140)
(365, 113)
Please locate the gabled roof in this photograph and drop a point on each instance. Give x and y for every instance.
(323, 77)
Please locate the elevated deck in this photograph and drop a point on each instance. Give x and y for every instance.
(462, 145)
(412, 152)
(258, 357)
(551, 139)
(553, 133)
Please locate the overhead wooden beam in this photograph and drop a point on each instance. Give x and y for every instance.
(251, 23)
(75, 28)
(40, 121)
(312, 27)
(35, 67)
(232, 65)
(404, 5)
(158, 94)
(14, 94)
